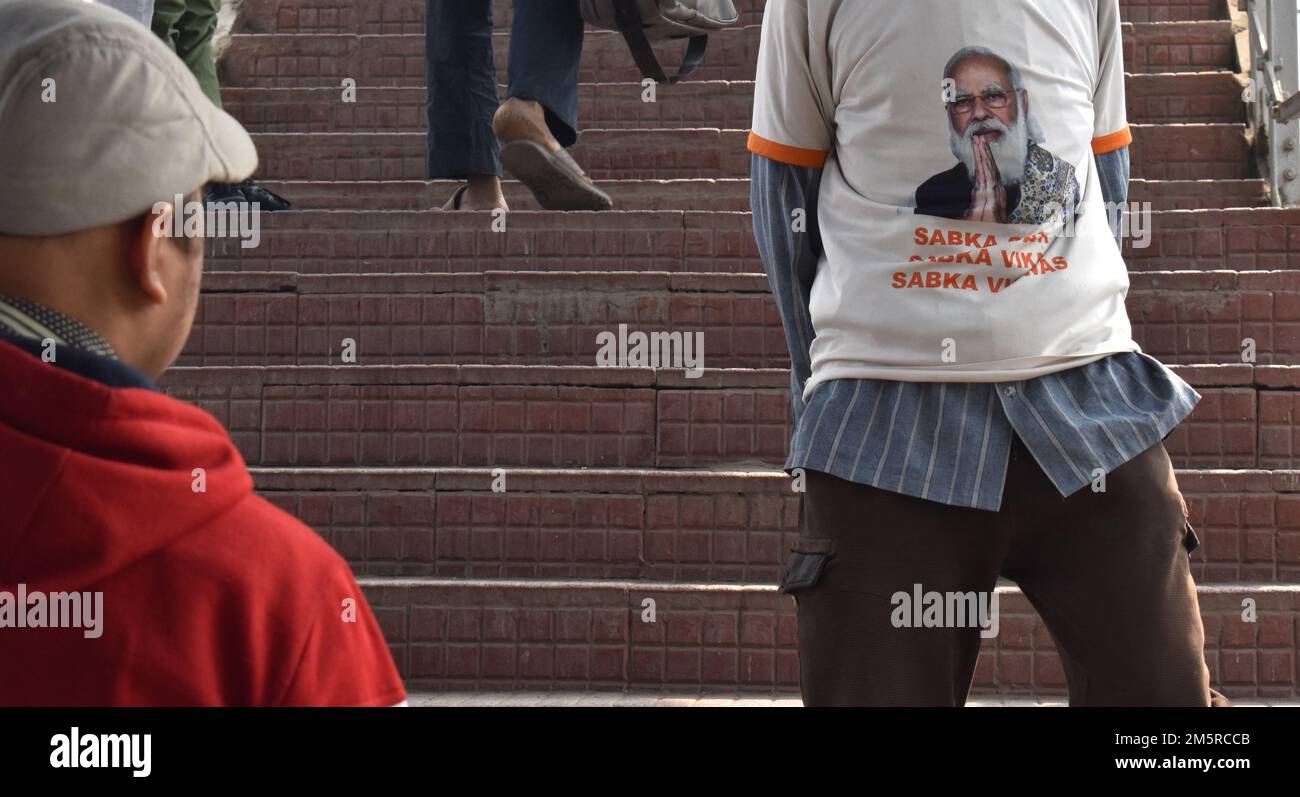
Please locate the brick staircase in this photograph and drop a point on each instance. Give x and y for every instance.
(476, 358)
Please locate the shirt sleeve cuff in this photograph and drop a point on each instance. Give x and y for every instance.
(795, 156)
(1112, 141)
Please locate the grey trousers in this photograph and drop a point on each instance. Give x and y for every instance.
(139, 10)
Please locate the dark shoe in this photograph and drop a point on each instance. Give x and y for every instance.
(222, 193)
(454, 202)
(267, 199)
(555, 178)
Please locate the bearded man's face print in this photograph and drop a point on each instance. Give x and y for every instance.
(1003, 174)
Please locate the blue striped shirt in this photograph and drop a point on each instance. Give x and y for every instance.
(950, 442)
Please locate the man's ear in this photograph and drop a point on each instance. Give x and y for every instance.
(148, 248)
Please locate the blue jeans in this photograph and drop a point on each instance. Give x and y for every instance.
(545, 50)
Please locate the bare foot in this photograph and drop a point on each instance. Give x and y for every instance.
(483, 193)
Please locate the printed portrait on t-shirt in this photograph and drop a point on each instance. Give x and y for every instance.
(1003, 174)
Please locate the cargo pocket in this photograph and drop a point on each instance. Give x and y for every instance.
(1190, 540)
(806, 563)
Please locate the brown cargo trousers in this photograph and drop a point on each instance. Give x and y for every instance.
(1107, 571)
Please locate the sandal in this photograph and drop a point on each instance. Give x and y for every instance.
(454, 202)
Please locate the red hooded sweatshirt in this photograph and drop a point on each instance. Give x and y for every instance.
(210, 595)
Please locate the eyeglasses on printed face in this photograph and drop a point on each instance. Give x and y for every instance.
(993, 100)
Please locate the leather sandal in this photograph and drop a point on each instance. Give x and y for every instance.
(454, 202)
(555, 178)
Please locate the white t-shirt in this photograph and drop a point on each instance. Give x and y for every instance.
(964, 233)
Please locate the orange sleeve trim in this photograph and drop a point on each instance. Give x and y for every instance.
(1109, 143)
(795, 156)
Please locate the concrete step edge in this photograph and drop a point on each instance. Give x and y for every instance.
(697, 281)
(690, 473)
(1164, 26)
(694, 86)
(569, 585)
(778, 699)
(684, 130)
(665, 214)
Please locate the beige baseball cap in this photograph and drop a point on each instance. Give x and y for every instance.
(99, 120)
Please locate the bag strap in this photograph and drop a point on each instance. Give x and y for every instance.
(628, 18)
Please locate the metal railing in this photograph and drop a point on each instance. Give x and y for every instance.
(1273, 93)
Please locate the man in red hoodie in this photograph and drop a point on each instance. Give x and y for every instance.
(137, 567)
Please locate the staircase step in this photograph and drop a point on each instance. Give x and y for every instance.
(1244, 240)
(316, 242)
(604, 154)
(499, 635)
(1159, 152)
(1164, 98)
(554, 318)
(1185, 97)
(1190, 151)
(624, 699)
(279, 60)
(358, 241)
(1196, 46)
(727, 194)
(711, 103)
(568, 416)
(694, 526)
(407, 16)
(1189, 194)
(1173, 10)
(751, 12)
(384, 16)
(720, 699)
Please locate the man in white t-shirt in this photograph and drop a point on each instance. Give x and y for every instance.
(969, 402)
